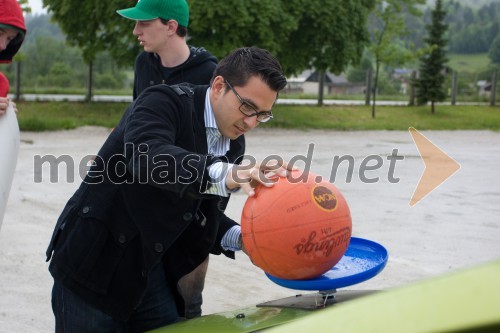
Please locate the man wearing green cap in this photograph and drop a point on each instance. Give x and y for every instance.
(161, 28)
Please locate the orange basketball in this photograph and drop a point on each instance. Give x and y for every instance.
(297, 229)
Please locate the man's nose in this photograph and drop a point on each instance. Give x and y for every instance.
(136, 30)
(251, 122)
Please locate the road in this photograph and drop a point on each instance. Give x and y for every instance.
(287, 101)
(126, 99)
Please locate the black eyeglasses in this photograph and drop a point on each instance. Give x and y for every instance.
(249, 110)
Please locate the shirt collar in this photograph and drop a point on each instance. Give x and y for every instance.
(210, 122)
(209, 113)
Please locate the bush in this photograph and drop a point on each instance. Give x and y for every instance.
(60, 75)
(109, 81)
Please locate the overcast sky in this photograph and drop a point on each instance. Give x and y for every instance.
(36, 6)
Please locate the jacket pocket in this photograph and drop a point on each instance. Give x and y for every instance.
(91, 251)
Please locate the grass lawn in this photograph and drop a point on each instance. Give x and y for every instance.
(388, 118)
(471, 63)
(47, 116)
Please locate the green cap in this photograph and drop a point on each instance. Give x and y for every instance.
(146, 10)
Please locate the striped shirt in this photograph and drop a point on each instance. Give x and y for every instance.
(218, 145)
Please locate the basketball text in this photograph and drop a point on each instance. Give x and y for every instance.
(323, 245)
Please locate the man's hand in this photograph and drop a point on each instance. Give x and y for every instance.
(248, 177)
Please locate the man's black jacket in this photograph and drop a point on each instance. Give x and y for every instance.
(197, 69)
(141, 204)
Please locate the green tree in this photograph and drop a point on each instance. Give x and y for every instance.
(471, 29)
(222, 26)
(430, 84)
(60, 75)
(389, 27)
(41, 25)
(94, 26)
(358, 73)
(326, 35)
(330, 36)
(43, 52)
(494, 53)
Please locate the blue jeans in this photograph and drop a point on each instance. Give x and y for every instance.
(74, 315)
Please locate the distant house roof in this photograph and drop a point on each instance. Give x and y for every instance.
(313, 76)
(484, 85)
(302, 77)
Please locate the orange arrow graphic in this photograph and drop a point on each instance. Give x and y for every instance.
(438, 166)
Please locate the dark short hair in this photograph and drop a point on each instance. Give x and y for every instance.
(181, 30)
(243, 63)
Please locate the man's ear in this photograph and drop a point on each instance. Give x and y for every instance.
(218, 85)
(172, 26)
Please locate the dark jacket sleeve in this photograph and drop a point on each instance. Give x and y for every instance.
(161, 144)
